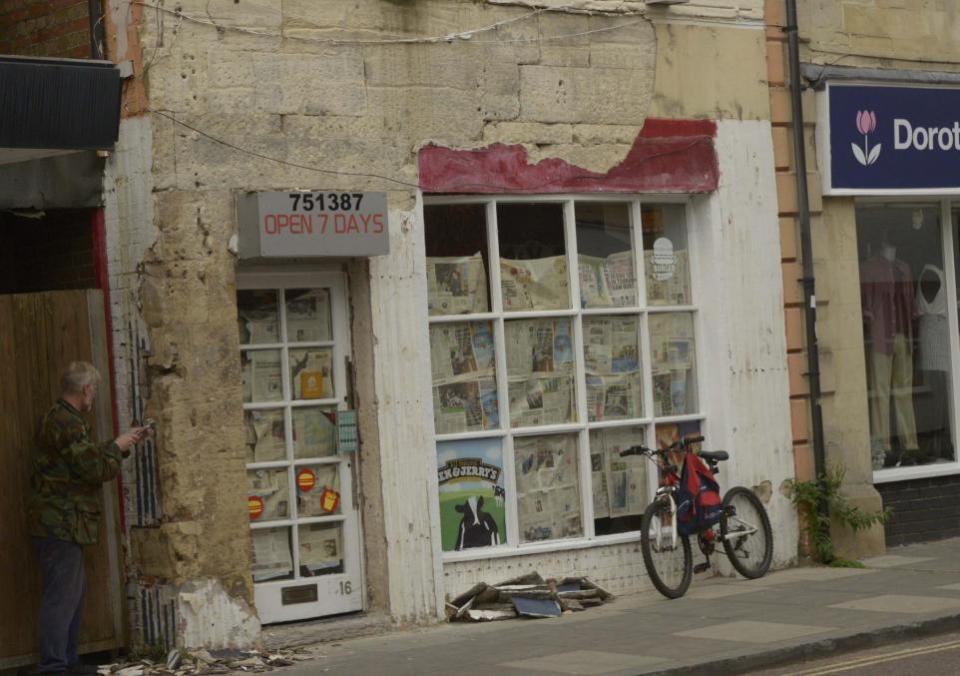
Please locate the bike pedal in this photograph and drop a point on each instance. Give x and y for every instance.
(701, 567)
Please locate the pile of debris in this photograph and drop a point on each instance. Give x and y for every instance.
(202, 662)
(529, 595)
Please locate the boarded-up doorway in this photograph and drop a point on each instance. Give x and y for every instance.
(40, 333)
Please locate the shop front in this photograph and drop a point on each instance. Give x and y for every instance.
(889, 156)
(567, 324)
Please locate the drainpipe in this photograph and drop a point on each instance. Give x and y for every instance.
(806, 243)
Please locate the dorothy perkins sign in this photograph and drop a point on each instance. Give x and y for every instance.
(879, 139)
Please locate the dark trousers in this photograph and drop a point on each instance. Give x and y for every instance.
(61, 607)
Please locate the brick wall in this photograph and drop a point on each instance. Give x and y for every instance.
(58, 28)
(55, 252)
(923, 509)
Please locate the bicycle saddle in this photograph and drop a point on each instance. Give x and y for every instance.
(714, 456)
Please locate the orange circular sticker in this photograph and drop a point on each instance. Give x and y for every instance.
(306, 480)
(255, 505)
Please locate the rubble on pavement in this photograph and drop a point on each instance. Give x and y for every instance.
(528, 595)
(203, 662)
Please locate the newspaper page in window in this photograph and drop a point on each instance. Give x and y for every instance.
(593, 282)
(265, 436)
(612, 361)
(548, 493)
(272, 557)
(456, 285)
(311, 373)
(598, 472)
(464, 386)
(672, 346)
(621, 279)
(668, 276)
(535, 284)
(262, 380)
(626, 477)
(541, 371)
(308, 315)
(321, 548)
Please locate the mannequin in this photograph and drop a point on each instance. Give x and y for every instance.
(933, 339)
(887, 299)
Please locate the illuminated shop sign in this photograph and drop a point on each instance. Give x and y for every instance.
(882, 140)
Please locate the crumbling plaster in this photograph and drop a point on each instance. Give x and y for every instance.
(349, 115)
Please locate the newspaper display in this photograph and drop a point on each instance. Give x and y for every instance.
(311, 373)
(257, 317)
(608, 282)
(548, 492)
(668, 277)
(464, 382)
(535, 284)
(612, 361)
(619, 484)
(321, 548)
(314, 433)
(308, 315)
(541, 372)
(272, 487)
(265, 436)
(311, 484)
(262, 379)
(272, 557)
(672, 351)
(456, 285)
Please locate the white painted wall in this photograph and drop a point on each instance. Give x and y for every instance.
(401, 349)
(742, 341)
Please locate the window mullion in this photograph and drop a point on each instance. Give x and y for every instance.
(580, 386)
(500, 360)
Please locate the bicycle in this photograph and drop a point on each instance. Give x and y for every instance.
(744, 527)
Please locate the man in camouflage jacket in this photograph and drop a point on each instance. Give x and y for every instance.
(64, 513)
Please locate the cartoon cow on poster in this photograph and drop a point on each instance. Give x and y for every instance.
(477, 527)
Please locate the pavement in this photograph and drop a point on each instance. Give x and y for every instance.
(722, 625)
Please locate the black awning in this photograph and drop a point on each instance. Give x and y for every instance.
(58, 103)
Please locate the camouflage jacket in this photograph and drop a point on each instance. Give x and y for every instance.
(68, 472)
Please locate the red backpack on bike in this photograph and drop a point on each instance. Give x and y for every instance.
(698, 497)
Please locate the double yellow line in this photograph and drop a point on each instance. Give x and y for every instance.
(878, 659)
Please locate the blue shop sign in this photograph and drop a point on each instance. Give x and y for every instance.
(889, 140)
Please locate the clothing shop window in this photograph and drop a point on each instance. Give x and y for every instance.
(907, 336)
(562, 331)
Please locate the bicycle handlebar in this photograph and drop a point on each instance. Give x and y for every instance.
(681, 444)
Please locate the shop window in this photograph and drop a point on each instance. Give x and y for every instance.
(562, 331)
(907, 339)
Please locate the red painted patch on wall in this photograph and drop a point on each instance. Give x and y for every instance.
(667, 156)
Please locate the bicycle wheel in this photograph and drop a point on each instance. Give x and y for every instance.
(670, 567)
(751, 552)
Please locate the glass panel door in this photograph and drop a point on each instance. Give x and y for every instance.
(294, 345)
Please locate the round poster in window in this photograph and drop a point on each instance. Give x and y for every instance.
(306, 480)
(255, 507)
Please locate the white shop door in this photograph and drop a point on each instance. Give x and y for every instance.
(295, 343)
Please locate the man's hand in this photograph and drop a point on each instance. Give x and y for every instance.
(130, 438)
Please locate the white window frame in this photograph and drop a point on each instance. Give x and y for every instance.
(947, 205)
(582, 428)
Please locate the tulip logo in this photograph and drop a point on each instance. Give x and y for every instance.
(866, 123)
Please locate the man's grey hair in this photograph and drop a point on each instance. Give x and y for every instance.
(78, 375)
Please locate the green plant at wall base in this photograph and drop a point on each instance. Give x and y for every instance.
(807, 496)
